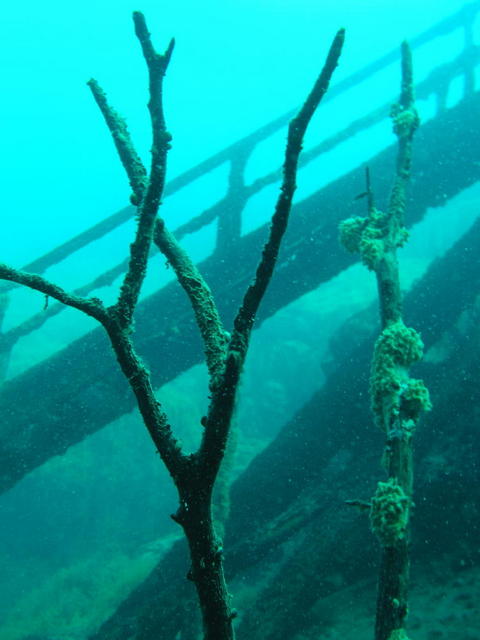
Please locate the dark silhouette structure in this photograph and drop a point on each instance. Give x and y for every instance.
(194, 474)
(446, 151)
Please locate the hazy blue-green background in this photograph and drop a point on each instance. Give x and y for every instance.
(237, 64)
(77, 531)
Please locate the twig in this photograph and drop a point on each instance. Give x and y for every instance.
(93, 307)
(397, 399)
(117, 126)
(206, 313)
(296, 132)
(148, 208)
(221, 408)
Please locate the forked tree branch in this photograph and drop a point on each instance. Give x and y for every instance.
(195, 474)
(204, 307)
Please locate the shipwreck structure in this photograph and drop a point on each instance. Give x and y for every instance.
(298, 467)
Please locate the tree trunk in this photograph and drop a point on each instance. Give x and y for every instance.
(206, 572)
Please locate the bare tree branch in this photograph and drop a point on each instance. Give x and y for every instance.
(397, 399)
(208, 320)
(136, 172)
(194, 475)
(91, 306)
(189, 277)
(296, 132)
(148, 207)
(221, 408)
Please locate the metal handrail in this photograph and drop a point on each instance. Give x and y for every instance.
(434, 84)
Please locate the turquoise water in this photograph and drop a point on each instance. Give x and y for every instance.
(79, 532)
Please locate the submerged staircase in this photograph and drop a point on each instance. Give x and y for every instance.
(78, 390)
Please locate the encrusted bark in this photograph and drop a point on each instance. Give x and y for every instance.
(194, 475)
(302, 469)
(397, 399)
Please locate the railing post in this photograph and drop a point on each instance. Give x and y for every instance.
(230, 219)
(5, 347)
